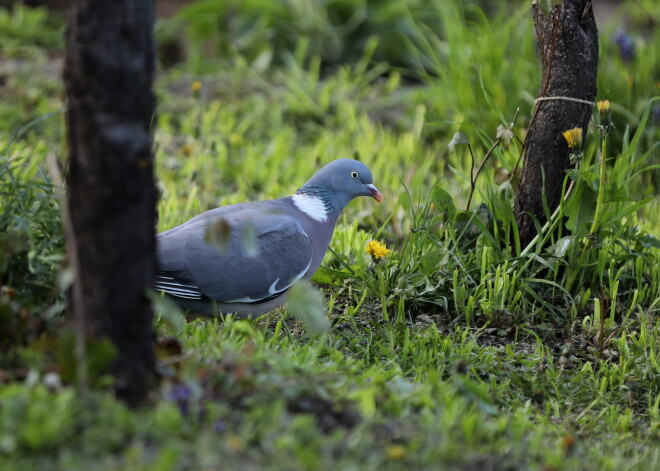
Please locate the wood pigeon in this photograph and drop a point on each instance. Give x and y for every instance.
(262, 248)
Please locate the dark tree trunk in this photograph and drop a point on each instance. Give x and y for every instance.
(111, 192)
(568, 46)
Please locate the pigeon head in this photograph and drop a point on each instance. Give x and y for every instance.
(339, 182)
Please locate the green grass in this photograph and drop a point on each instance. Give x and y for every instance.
(454, 352)
(258, 396)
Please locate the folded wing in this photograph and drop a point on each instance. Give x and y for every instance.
(264, 254)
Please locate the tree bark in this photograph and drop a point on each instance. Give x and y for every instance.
(108, 74)
(568, 46)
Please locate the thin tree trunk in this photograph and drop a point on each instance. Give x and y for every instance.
(568, 46)
(111, 192)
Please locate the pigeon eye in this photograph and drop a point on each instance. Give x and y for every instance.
(354, 174)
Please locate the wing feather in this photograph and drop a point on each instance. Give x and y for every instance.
(193, 269)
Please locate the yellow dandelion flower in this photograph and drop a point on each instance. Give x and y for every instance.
(377, 250)
(603, 106)
(573, 138)
(604, 112)
(396, 452)
(235, 138)
(196, 86)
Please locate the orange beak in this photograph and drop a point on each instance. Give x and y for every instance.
(377, 195)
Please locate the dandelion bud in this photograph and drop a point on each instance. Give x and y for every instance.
(196, 87)
(604, 112)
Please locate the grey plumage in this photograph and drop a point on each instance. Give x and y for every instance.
(268, 246)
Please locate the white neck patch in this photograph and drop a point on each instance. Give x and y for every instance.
(311, 206)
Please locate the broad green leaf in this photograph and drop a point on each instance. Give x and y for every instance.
(485, 215)
(581, 210)
(585, 176)
(432, 260)
(561, 246)
(444, 203)
(469, 225)
(329, 276)
(463, 225)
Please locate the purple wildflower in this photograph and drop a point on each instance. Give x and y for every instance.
(220, 426)
(181, 395)
(626, 46)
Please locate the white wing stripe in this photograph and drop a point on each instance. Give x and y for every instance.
(175, 288)
(176, 285)
(183, 296)
(178, 289)
(170, 289)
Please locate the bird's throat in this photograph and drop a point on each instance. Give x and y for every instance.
(313, 205)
